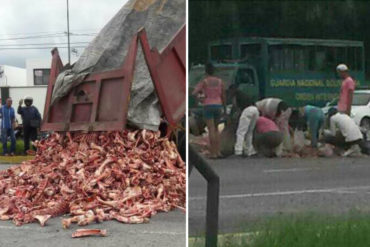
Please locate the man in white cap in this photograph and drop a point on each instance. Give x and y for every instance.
(31, 119)
(346, 90)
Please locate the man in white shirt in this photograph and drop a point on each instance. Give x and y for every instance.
(344, 132)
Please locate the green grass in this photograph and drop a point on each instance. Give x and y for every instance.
(19, 147)
(18, 158)
(352, 230)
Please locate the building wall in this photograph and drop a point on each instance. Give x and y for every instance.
(32, 64)
(13, 76)
(21, 83)
(38, 93)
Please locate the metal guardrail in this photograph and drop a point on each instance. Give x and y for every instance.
(213, 189)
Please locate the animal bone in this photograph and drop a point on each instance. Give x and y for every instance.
(127, 176)
(89, 232)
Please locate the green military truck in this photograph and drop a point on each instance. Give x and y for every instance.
(300, 71)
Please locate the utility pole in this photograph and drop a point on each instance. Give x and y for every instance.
(69, 44)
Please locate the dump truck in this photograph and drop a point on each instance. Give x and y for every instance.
(299, 71)
(128, 76)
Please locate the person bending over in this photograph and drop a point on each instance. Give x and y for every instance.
(278, 111)
(246, 126)
(314, 118)
(268, 138)
(343, 133)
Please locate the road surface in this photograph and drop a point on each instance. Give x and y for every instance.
(252, 189)
(164, 229)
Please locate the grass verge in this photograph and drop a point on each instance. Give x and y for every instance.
(14, 159)
(352, 230)
(19, 148)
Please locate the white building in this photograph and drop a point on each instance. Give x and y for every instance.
(12, 76)
(32, 81)
(38, 71)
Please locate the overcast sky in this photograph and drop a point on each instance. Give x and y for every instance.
(23, 22)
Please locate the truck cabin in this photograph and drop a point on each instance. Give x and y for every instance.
(243, 75)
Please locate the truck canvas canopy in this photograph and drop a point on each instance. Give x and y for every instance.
(162, 20)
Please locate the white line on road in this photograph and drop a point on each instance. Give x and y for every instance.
(303, 169)
(290, 170)
(340, 190)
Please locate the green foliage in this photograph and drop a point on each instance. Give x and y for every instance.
(213, 20)
(315, 231)
(19, 147)
(303, 231)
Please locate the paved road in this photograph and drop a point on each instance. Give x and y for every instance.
(164, 229)
(252, 189)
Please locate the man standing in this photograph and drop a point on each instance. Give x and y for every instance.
(346, 90)
(31, 119)
(7, 125)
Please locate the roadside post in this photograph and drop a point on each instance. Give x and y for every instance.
(213, 189)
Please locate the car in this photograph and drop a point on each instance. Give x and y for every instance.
(360, 111)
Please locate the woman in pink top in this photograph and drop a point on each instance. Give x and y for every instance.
(211, 92)
(346, 90)
(268, 138)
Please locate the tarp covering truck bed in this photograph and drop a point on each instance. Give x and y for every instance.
(161, 19)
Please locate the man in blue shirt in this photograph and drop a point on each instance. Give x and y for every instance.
(7, 123)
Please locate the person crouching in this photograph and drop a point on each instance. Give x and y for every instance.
(343, 133)
(278, 111)
(268, 138)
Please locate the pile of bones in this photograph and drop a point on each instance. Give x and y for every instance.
(126, 176)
